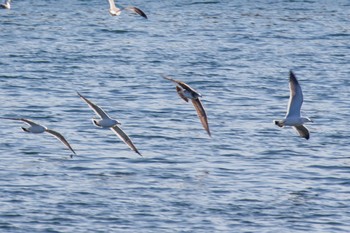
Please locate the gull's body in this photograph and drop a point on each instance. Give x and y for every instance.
(186, 92)
(114, 11)
(107, 122)
(6, 5)
(293, 117)
(36, 129)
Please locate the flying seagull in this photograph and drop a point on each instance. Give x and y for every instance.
(6, 5)
(36, 128)
(107, 122)
(186, 92)
(114, 11)
(293, 117)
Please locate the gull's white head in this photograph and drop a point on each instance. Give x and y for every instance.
(279, 123)
(96, 122)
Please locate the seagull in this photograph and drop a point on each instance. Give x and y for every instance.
(36, 128)
(186, 92)
(6, 5)
(107, 122)
(114, 11)
(293, 117)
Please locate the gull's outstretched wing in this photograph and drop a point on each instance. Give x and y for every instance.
(61, 138)
(29, 122)
(182, 84)
(295, 98)
(113, 10)
(120, 133)
(111, 3)
(303, 131)
(136, 10)
(201, 114)
(95, 108)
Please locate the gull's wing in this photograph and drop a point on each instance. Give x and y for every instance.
(95, 108)
(303, 131)
(113, 10)
(295, 98)
(120, 133)
(61, 138)
(135, 10)
(29, 122)
(111, 3)
(201, 114)
(182, 84)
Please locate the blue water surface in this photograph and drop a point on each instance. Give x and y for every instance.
(251, 176)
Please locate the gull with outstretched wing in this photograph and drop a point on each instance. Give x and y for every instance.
(114, 11)
(107, 122)
(37, 128)
(186, 92)
(293, 117)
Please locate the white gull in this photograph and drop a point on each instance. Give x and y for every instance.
(37, 128)
(114, 11)
(293, 117)
(107, 122)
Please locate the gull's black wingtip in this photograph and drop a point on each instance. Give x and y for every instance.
(72, 155)
(140, 12)
(138, 153)
(292, 76)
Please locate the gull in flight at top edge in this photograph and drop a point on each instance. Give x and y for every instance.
(36, 129)
(293, 117)
(6, 5)
(107, 122)
(186, 92)
(114, 11)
